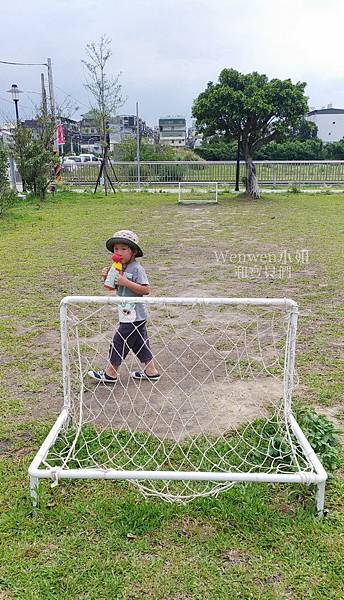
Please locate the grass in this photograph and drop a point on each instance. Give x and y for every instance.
(97, 540)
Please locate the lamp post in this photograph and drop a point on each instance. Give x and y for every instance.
(237, 172)
(77, 136)
(15, 91)
(91, 139)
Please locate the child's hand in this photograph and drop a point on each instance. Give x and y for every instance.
(105, 272)
(121, 280)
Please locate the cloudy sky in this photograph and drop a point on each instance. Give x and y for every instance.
(167, 50)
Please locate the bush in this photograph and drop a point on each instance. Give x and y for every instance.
(311, 149)
(7, 200)
(126, 151)
(335, 150)
(3, 169)
(321, 435)
(7, 196)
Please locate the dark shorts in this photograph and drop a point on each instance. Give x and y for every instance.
(130, 336)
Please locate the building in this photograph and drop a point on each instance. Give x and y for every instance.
(35, 127)
(173, 131)
(120, 128)
(124, 126)
(70, 130)
(194, 139)
(329, 121)
(6, 134)
(89, 134)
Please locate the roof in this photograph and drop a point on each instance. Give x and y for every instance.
(327, 111)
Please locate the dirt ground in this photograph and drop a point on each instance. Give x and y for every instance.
(215, 364)
(197, 393)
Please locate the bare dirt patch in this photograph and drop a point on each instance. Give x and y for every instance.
(215, 372)
(169, 412)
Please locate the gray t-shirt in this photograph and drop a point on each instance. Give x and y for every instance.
(136, 273)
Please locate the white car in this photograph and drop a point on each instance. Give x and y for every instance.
(89, 158)
(71, 163)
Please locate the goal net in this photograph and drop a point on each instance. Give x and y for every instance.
(197, 193)
(220, 413)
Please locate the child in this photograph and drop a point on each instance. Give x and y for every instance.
(132, 335)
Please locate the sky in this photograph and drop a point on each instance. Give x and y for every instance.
(168, 50)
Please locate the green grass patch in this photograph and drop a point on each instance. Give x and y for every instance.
(95, 540)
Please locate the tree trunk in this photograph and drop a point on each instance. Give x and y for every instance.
(252, 187)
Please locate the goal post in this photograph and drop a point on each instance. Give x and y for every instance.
(220, 414)
(198, 192)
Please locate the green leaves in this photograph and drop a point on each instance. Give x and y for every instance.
(322, 436)
(35, 158)
(250, 105)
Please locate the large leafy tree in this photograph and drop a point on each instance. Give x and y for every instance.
(252, 109)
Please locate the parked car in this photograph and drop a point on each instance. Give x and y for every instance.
(89, 158)
(68, 160)
(71, 163)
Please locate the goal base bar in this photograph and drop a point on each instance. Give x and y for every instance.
(318, 477)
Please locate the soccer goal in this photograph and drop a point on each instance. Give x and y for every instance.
(220, 414)
(197, 193)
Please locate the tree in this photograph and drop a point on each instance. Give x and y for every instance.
(106, 91)
(217, 148)
(305, 130)
(126, 151)
(35, 158)
(252, 109)
(335, 150)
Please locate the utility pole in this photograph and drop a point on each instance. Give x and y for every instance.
(57, 167)
(138, 146)
(51, 89)
(52, 98)
(44, 97)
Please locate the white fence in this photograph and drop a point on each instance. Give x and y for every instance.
(269, 173)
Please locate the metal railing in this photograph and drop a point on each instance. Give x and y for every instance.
(272, 173)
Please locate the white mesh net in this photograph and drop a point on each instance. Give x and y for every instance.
(221, 404)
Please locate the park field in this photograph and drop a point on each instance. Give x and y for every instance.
(103, 540)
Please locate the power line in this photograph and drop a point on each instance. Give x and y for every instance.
(5, 100)
(10, 102)
(73, 97)
(7, 62)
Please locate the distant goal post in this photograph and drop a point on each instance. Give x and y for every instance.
(220, 414)
(198, 192)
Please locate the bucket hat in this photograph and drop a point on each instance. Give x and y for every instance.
(125, 236)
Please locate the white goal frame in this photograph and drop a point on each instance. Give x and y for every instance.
(316, 476)
(186, 187)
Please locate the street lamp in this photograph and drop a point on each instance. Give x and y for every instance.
(15, 91)
(77, 136)
(237, 172)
